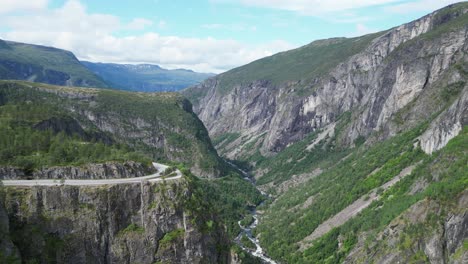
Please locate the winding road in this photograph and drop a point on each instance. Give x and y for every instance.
(57, 182)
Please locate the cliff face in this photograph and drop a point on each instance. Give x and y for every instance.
(8, 251)
(108, 170)
(428, 231)
(392, 82)
(130, 223)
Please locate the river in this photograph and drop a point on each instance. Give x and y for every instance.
(247, 231)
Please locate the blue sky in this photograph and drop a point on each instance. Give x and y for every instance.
(203, 35)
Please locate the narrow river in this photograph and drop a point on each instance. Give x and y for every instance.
(247, 231)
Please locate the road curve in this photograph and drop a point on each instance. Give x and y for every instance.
(57, 182)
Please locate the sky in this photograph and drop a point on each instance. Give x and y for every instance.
(201, 35)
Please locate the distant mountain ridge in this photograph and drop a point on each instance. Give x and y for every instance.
(36, 63)
(21, 61)
(145, 77)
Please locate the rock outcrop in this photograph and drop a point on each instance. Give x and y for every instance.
(8, 251)
(395, 81)
(108, 170)
(128, 223)
(425, 232)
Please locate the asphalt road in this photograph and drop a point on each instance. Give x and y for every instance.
(57, 182)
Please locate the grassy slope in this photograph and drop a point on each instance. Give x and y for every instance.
(145, 78)
(45, 58)
(167, 113)
(344, 180)
(22, 106)
(282, 227)
(302, 64)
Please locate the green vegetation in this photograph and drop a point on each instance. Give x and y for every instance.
(282, 228)
(25, 146)
(74, 139)
(225, 139)
(248, 219)
(302, 64)
(231, 196)
(442, 26)
(305, 63)
(297, 159)
(245, 257)
(247, 243)
(132, 228)
(49, 65)
(170, 237)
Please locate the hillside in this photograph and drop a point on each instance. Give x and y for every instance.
(145, 77)
(63, 133)
(20, 61)
(44, 125)
(273, 102)
(361, 142)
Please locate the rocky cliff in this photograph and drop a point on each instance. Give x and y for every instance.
(388, 81)
(428, 232)
(129, 223)
(108, 170)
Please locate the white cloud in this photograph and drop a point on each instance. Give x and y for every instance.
(230, 27)
(92, 37)
(362, 29)
(315, 7)
(21, 5)
(139, 24)
(162, 24)
(419, 6)
(322, 8)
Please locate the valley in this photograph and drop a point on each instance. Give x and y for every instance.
(343, 150)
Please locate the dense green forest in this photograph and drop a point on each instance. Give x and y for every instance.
(46, 125)
(26, 145)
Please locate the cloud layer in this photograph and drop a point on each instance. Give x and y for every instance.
(321, 7)
(93, 37)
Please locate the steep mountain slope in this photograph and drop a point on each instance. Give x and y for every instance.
(360, 192)
(164, 222)
(145, 77)
(85, 133)
(44, 125)
(361, 142)
(20, 61)
(385, 80)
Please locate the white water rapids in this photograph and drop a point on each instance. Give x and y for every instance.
(247, 231)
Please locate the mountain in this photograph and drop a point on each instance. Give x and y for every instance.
(20, 61)
(145, 77)
(103, 137)
(160, 126)
(278, 100)
(361, 143)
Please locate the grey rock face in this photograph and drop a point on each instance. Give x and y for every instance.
(154, 133)
(130, 223)
(447, 125)
(7, 248)
(395, 74)
(11, 173)
(108, 170)
(439, 242)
